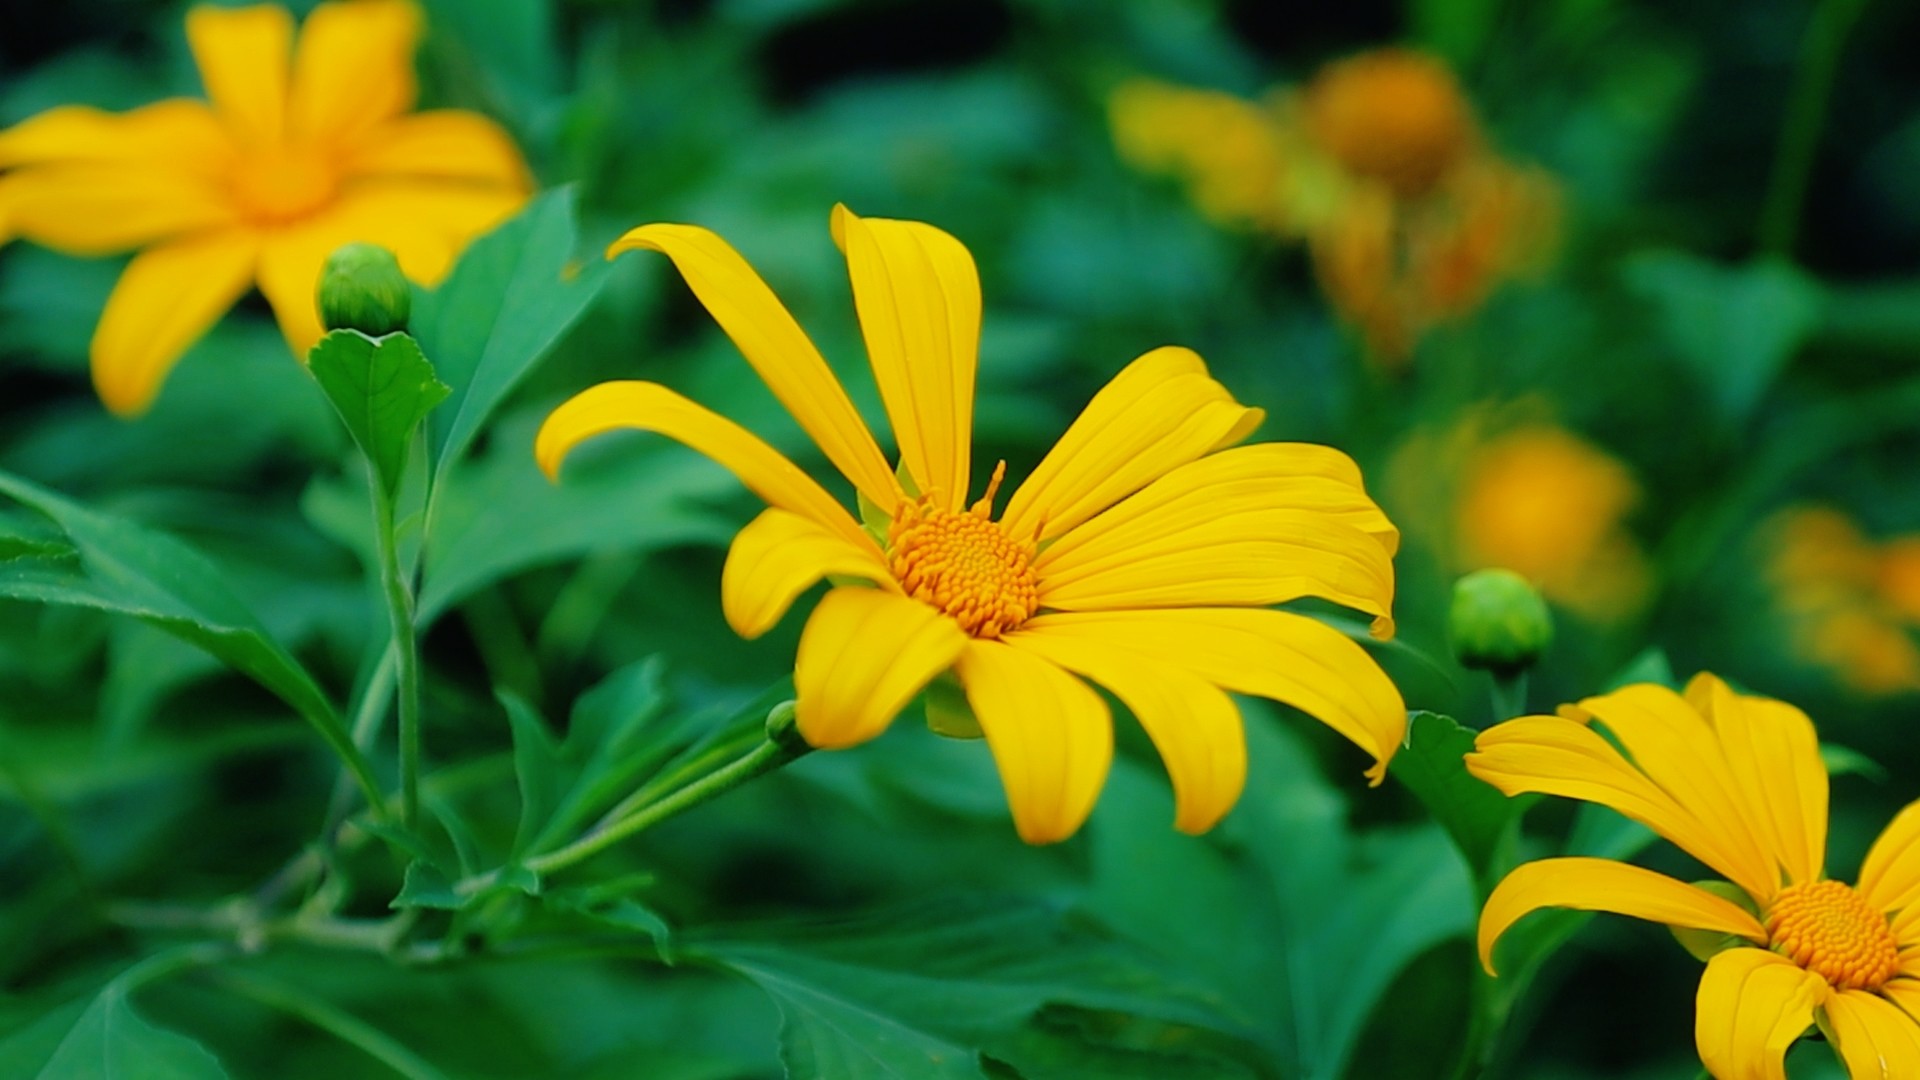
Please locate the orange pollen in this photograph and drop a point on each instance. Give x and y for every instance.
(965, 564)
(1828, 929)
(278, 184)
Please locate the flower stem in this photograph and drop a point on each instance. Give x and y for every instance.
(1820, 49)
(1509, 695)
(405, 649)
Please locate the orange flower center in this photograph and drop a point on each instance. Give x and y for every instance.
(1828, 929)
(276, 184)
(965, 564)
(1393, 115)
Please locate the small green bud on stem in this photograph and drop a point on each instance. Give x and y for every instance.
(1498, 622)
(362, 288)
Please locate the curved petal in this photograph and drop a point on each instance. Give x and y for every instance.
(780, 555)
(1272, 654)
(1586, 884)
(243, 55)
(1875, 1039)
(1751, 1006)
(1890, 876)
(1248, 559)
(101, 208)
(353, 68)
(179, 134)
(1193, 723)
(1904, 992)
(1673, 745)
(1774, 755)
(918, 296)
(1051, 737)
(1159, 413)
(1243, 479)
(167, 297)
(1553, 755)
(444, 144)
(778, 349)
(863, 655)
(645, 406)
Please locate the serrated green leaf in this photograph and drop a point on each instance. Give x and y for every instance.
(130, 569)
(382, 388)
(104, 1038)
(1482, 822)
(512, 295)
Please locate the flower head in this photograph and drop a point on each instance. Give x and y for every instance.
(300, 147)
(1378, 163)
(1142, 553)
(1736, 782)
(1849, 602)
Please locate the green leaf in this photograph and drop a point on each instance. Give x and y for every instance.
(382, 389)
(1736, 327)
(104, 1039)
(1846, 761)
(1649, 666)
(1482, 822)
(924, 990)
(132, 570)
(536, 765)
(426, 887)
(509, 299)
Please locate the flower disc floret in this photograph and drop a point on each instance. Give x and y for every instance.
(964, 564)
(1829, 929)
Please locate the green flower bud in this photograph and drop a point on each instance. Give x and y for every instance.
(1498, 622)
(362, 288)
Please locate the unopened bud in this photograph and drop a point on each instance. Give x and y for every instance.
(362, 288)
(1498, 622)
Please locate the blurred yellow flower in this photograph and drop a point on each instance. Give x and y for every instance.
(1849, 603)
(1534, 498)
(1736, 782)
(1378, 163)
(1141, 554)
(300, 148)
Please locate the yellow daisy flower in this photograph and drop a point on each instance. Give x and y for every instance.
(1848, 601)
(1736, 782)
(1141, 554)
(298, 149)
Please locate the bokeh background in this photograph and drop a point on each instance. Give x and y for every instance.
(1693, 418)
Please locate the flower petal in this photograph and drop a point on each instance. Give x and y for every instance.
(1050, 734)
(353, 68)
(918, 296)
(445, 144)
(863, 655)
(1904, 992)
(780, 555)
(180, 134)
(101, 208)
(243, 55)
(1192, 722)
(1253, 558)
(1751, 1006)
(1673, 745)
(1890, 876)
(1586, 884)
(1272, 654)
(645, 406)
(777, 348)
(1159, 413)
(1875, 1039)
(1553, 755)
(1774, 755)
(165, 300)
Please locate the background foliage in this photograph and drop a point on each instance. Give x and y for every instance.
(864, 914)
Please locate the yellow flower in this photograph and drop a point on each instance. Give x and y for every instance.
(1736, 782)
(1848, 601)
(1141, 554)
(298, 150)
(1378, 163)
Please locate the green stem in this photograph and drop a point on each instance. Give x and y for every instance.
(333, 1020)
(1820, 50)
(1509, 696)
(406, 650)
